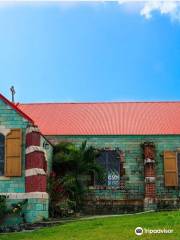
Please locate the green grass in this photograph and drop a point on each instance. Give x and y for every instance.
(111, 228)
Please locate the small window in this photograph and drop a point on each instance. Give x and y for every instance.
(110, 162)
(2, 140)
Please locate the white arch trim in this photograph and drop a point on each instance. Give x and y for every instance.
(4, 130)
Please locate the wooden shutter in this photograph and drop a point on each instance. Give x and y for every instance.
(170, 169)
(13, 153)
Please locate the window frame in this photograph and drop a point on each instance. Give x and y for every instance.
(106, 186)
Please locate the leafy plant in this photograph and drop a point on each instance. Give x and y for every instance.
(73, 168)
(57, 194)
(3, 208)
(16, 208)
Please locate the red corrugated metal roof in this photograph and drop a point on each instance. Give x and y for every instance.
(113, 118)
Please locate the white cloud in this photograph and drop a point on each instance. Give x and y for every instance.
(165, 7)
(170, 8)
(146, 8)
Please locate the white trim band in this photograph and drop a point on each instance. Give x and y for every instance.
(32, 129)
(41, 195)
(150, 179)
(148, 160)
(32, 149)
(34, 172)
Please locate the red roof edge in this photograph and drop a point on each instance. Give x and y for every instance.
(16, 108)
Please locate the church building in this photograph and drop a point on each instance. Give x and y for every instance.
(139, 144)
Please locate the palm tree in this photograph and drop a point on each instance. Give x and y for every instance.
(75, 167)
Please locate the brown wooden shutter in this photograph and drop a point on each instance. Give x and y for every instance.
(13, 153)
(170, 169)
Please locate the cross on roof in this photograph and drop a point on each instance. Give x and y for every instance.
(13, 92)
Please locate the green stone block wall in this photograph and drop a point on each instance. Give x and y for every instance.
(36, 208)
(9, 118)
(134, 162)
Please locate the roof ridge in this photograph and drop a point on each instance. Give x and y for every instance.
(41, 103)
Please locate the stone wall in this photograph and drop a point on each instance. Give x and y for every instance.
(15, 187)
(9, 119)
(134, 179)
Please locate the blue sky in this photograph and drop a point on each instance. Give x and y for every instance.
(88, 52)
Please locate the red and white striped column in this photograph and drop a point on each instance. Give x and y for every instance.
(36, 164)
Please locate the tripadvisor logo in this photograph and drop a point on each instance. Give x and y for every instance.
(139, 231)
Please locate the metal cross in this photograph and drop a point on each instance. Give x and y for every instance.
(13, 92)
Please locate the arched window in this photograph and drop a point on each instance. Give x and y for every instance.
(109, 161)
(2, 154)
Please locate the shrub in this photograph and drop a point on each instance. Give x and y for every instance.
(72, 169)
(3, 207)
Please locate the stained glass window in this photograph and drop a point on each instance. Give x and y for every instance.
(2, 139)
(110, 162)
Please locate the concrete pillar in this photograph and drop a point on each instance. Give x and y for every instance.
(149, 176)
